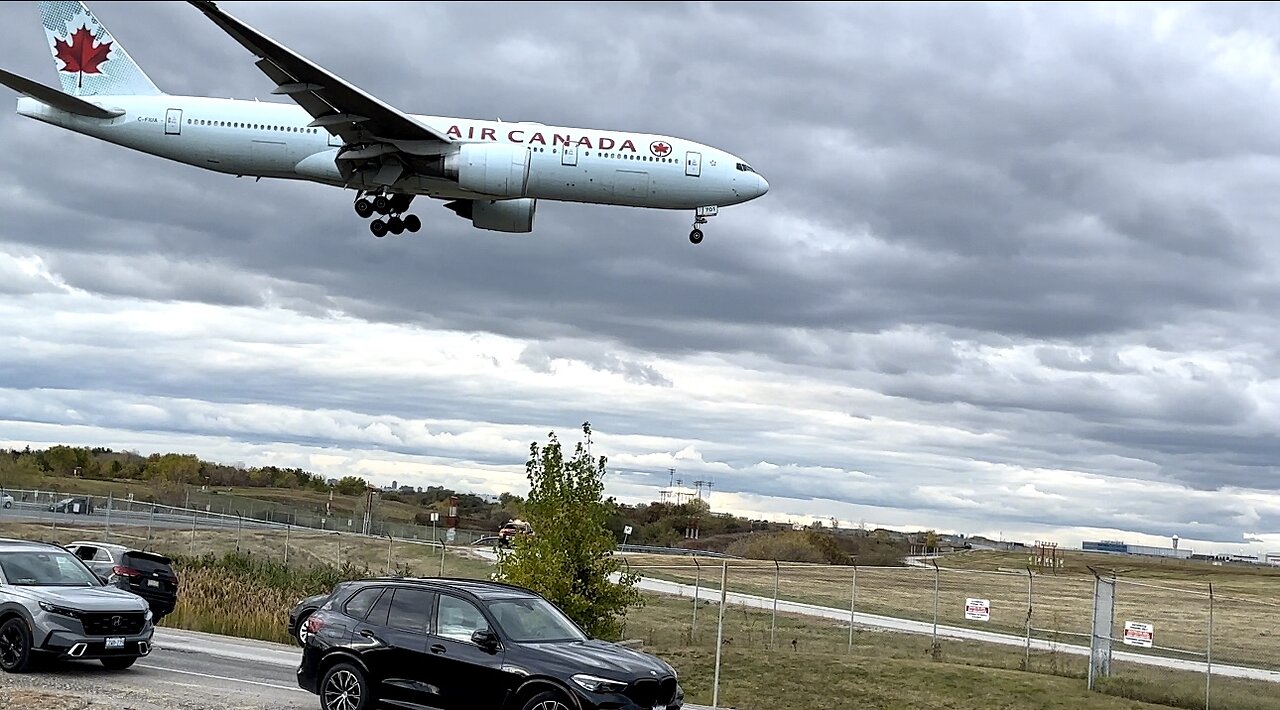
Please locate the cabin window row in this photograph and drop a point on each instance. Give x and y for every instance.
(251, 126)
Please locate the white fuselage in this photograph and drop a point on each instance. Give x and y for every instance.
(272, 140)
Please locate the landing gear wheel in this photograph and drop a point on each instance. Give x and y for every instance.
(364, 208)
(15, 646)
(379, 228)
(382, 204)
(550, 700)
(118, 664)
(395, 225)
(412, 223)
(696, 236)
(345, 687)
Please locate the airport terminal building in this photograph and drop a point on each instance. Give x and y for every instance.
(1117, 547)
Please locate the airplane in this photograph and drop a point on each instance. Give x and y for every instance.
(490, 172)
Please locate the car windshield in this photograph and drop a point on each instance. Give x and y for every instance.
(533, 620)
(45, 568)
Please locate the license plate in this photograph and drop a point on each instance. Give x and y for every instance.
(115, 642)
(153, 583)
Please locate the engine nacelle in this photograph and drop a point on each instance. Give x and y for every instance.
(497, 215)
(498, 169)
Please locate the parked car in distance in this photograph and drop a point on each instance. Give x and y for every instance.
(51, 604)
(6, 500)
(463, 643)
(147, 574)
(512, 529)
(79, 506)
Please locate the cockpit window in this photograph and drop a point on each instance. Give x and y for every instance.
(745, 168)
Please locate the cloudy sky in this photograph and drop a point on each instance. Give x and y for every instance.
(1016, 275)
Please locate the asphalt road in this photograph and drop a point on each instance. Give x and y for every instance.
(189, 671)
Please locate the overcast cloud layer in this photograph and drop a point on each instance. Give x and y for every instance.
(1016, 274)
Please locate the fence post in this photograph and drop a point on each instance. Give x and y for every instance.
(853, 603)
(391, 541)
(287, 530)
(724, 593)
(442, 546)
(773, 627)
(697, 588)
(1208, 653)
(1030, 602)
(239, 529)
(1104, 607)
(936, 594)
(110, 499)
(150, 521)
(192, 549)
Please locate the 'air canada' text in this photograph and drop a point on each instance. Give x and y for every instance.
(531, 137)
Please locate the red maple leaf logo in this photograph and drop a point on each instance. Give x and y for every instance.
(79, 55)
(659, 148)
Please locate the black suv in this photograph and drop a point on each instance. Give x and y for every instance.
(147, 574)
(461, 644)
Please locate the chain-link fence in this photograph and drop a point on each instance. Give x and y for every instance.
(1209, 650)
(220, 510)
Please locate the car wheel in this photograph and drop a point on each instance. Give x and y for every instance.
(345, 687)
(300, 633)
(15, 646)
(118, 664)
(549, 700)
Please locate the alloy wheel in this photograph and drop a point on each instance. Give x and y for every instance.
(551, 705)
(12, 646)
(343, 691)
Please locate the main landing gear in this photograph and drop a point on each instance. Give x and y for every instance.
(700, 217)
(393, 205)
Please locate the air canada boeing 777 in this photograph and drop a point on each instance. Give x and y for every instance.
(490, 172)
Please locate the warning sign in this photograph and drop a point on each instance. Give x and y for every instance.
(1137, 633)
(977, 609)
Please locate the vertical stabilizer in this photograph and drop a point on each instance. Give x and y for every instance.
(90, 62)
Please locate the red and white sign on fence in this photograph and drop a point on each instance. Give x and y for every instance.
(977, 609)
(1136, 633)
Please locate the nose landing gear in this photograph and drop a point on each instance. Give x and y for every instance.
(393, 205)
(700, 217)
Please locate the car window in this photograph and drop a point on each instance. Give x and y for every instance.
(144, 562)
(46, 569)
(84, 552)
(378, 614)
(533, 620)
(359, 605)
(458, 618)
(410, 610)
(99, 555)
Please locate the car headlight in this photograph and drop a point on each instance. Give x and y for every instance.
(597, 684)
(60, 611)
(148, 615)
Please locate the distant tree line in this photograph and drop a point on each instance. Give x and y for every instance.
(664, 524)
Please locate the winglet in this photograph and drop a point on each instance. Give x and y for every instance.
(55, 98)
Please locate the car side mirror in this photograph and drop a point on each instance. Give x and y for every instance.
(486, 639)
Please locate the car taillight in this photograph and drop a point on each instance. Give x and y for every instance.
(122, 571)
(314, 624)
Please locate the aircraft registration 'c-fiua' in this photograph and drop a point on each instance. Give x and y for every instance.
(490, 172)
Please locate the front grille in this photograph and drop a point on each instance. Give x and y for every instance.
(649, 693)
(127, 624)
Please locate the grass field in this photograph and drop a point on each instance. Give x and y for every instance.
(1246, 617)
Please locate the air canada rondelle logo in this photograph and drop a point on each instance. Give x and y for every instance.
(660, 149)
(79, 55)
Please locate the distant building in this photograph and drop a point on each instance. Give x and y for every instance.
(1118, 547)
(1272, 558)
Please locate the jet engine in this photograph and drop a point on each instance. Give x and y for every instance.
(497, 215)
(497, 169)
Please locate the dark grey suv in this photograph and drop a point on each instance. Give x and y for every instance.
(52, 605)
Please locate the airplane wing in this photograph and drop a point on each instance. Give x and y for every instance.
(367, 125)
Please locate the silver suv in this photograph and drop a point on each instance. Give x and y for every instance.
(52, 605)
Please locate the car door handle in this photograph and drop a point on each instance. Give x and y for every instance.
(370, 635)
(437, 648)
